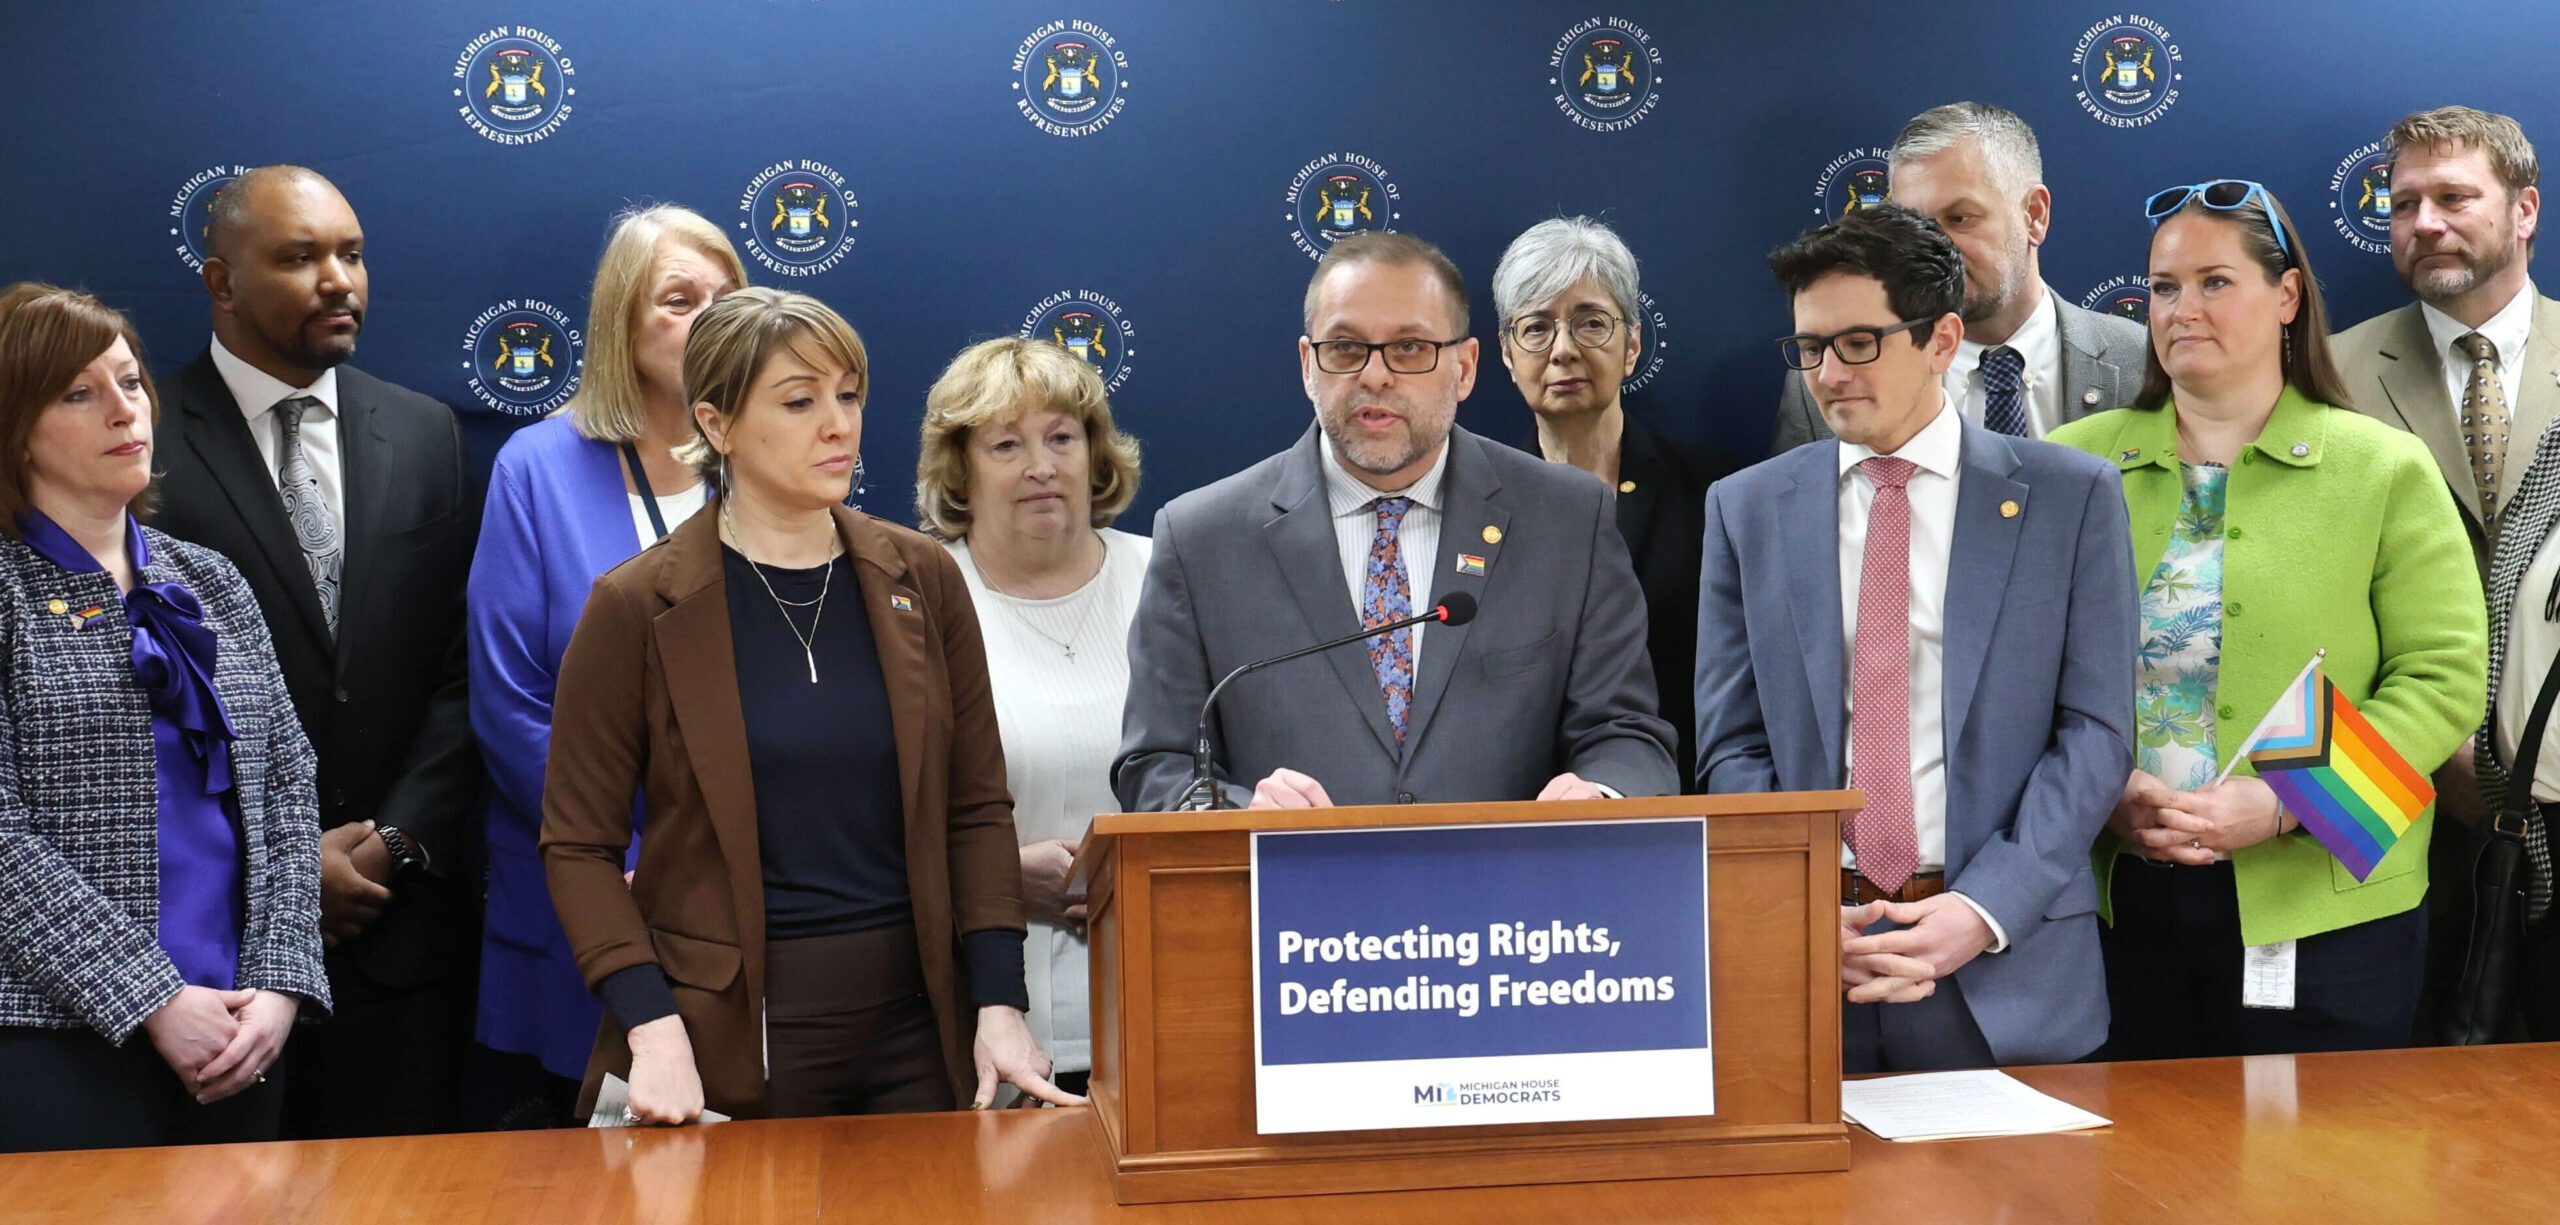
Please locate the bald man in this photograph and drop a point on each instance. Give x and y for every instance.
(345, 501)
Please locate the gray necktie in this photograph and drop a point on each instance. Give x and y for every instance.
(323, 549)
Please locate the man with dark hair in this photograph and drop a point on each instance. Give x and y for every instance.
(1967, 902)
(344, 501)
(1381, 507)
(2029, 361)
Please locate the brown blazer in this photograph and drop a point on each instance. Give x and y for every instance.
(648, 704)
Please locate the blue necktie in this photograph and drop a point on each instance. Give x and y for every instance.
(1387, 595)
(2004, 392)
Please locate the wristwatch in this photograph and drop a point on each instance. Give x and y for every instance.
(406, 859)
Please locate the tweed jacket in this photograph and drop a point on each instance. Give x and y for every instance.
(79, 798)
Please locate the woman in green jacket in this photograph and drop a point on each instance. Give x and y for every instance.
(2269, 523)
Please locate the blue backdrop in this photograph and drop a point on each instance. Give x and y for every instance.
(1152, 174)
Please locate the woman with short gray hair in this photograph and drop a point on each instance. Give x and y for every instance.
(1572, 330)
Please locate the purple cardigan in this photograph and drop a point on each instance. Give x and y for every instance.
(557, 517)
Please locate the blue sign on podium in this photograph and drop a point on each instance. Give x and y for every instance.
(1481, 974)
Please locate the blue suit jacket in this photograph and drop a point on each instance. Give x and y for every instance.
(557, 517)
(2039, 735)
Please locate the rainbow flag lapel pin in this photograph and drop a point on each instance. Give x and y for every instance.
(1469, 563)
(86, 617)
(902, 603)
(2337, 776)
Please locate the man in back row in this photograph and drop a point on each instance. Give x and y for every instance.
(2029, 361)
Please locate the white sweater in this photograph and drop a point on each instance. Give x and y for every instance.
(1060, 719)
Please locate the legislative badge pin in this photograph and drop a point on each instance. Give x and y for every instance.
(56, 607)
(2008, 510)
(1492, 534)
(2301, 449)
(1626, 486)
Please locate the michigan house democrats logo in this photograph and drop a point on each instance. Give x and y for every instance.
(1647, 365)
(2125, 297)
(523, 357)
(2360, 199)
(1604, 71)
(1071, 78)
(191, 210)
(1336, 196)
(1088, 325)
(1854, 180)
(1489, 1092)
(796, 218)
(514, 84)
(2127, 70)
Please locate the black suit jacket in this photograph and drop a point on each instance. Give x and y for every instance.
(1662, 515)
(385, 703)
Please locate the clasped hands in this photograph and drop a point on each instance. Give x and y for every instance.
(2161, 823)
(221, 1042)
(1287, 788)
(1938, 936)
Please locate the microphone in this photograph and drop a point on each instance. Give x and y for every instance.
(1455, 608)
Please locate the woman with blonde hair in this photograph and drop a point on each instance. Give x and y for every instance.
(825, 918)
(570, 498)
(1021, 472)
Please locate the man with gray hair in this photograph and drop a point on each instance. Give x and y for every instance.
(1572, 329)
(2029, 361)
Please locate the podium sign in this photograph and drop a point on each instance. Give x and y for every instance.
(1480, 974)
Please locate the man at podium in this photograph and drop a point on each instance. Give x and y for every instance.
(1967, 662)
(1385, 510)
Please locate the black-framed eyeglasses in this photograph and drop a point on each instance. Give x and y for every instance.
(1402, 356)
(2220, 195)
(1592, 328)
(1856, 346)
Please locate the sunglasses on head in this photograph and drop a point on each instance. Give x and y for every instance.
(2221, 195)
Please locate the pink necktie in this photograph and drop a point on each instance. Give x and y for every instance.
(1881, 836)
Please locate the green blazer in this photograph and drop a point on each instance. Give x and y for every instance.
(2338, 533)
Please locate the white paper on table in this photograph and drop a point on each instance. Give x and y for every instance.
(1957, 1106)
(613, 1102)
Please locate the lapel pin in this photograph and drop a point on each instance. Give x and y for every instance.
(2090, 397)
(902, 603)
(2131, 454)
(1626, 486)
(2008, 510)
(85, 617)
(1469, 563)
(56, 607)
(1492, 534)
(2301, 449)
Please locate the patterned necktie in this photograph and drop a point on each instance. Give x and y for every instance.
(2485, 420)
(1882, 837)
(2004, 392)
(1386, 594)
(313, 527)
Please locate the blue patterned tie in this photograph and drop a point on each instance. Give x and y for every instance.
(2004, 392)
(314, 529)
(1386, 594)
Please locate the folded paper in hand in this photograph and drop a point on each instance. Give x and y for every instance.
(613, 1106)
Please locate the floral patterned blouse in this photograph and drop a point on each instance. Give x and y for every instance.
(2181, 656)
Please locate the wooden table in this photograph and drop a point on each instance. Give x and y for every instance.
(2467, 1135)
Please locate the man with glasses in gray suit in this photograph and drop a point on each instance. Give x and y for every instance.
(1382, 507)
(2029, 361)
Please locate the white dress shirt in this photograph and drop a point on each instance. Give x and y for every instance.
(258, 393)
(2509, 330)
(1355, 530)
(2039, 343)
(2532, 640)
(674, 508)
(1938, 451)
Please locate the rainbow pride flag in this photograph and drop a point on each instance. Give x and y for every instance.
(2335, 774)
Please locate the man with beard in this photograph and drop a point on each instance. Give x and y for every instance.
(344, 501)
(2473, 368)
(2029, 361)
(1383, 507)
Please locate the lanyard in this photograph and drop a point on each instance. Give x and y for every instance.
(648, 497)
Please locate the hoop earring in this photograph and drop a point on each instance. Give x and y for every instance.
(723, 488)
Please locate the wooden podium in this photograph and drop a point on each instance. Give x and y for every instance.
(1170, 905)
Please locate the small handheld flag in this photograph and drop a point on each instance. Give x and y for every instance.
(2334, 773)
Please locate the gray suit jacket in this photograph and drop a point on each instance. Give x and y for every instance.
(1551, 676)
(2395, 376)
(2039, 733)
(2101, 369)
